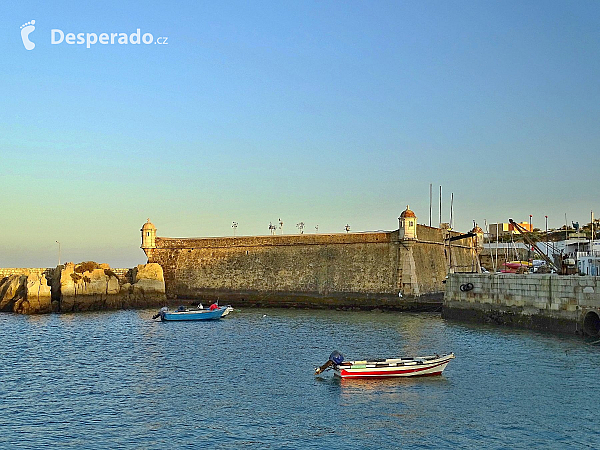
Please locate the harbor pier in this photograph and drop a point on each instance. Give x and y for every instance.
(550, 302)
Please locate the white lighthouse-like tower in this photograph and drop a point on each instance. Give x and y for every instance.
(477, 247)
(148, 237)
(407, 225)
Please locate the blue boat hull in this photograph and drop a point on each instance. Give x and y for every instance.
(203, 314)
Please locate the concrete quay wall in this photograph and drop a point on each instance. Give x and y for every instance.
(121, 273)
(8, 271)
(569, 304)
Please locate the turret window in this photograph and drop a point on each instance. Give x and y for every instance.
(410, 224)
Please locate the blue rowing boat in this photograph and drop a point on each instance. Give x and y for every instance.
(183, 313)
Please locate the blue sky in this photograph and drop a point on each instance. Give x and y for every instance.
(323, 112)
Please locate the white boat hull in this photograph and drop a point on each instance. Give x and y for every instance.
(389, 368)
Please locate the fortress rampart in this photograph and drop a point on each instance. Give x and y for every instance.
(371, 269)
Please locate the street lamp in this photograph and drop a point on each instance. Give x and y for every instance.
(530, 247)
(546, 235)
(58, 252)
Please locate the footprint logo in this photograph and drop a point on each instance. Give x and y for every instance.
(26, 30)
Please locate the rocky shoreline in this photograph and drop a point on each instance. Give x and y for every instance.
(87, 286)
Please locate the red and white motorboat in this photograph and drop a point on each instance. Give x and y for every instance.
(386, 368)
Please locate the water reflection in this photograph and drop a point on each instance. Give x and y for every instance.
(120, 380)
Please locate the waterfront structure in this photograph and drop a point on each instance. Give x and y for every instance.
(551, 302)
(388, 269)
(503, 229)
(588, 263)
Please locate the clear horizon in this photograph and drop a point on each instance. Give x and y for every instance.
(324, 113)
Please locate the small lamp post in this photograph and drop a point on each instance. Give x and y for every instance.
(546, 235)
(531, 231)
(58, 252)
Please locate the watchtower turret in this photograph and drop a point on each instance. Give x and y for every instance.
(407, 225)
(148, 237)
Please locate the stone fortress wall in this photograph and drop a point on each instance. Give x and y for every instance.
(322, 264)
(370, 269)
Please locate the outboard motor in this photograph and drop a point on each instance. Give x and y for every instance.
(161, 313)
(335, 359)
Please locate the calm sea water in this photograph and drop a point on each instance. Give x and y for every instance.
(119, 380)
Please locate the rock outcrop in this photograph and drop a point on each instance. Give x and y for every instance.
(11, 290)
(39, 296)
(89, 286)
(25, 294)
(147, 288)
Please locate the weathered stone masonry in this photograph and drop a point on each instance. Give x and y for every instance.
(551, 302)
(351, 269)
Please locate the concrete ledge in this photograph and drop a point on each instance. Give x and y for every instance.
(512, 319)
(429, 302)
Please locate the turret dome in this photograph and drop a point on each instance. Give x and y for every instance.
(407, 213)
(148, 226)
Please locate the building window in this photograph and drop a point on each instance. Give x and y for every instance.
(148, 234)
(410, 224)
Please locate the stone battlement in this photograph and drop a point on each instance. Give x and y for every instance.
(276, 240)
